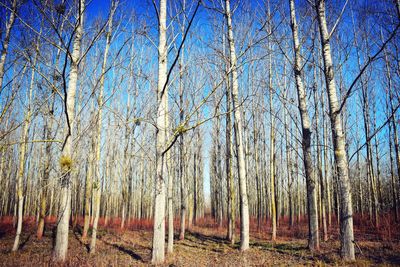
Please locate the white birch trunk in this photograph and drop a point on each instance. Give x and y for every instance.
(66, 161)
(346, 209)
(313, 235)
(158, 252)
(244, 206)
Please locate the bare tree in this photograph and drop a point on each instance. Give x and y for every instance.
(96, 185)
(313, 235)
(66, 160)
(346, 209)
(244, 205)
(161, 162)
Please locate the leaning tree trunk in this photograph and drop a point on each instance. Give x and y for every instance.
(346, 209)
(244, 206)
(313, 235)
(66, 161)
(158, 252)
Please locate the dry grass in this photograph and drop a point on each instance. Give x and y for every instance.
(204, 245)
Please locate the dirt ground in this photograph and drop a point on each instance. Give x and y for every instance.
(203, 246)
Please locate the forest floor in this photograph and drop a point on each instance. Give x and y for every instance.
(203, 246)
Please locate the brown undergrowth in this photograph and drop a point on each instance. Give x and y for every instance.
(204, 245)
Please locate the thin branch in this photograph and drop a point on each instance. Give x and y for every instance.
(370, 60)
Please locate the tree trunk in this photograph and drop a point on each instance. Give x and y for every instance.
(182, 166)
(46, 175)
(22, 155)
(158, 252)
(257, 178)
(346, 210)
(97, 182)
(393, 133)
(320, 174)
(228, 162)
(313, 235)
(392, 180)
(20, 176)
(326, 171)
(170, 246)
(66, 160)
(88, 190)
(272, 160)
(244, 206)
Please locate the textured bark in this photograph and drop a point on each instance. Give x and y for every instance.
(346, 209)
(244, 206)
(313, 235)
(158, 252)
(6, 41)
(66, 161)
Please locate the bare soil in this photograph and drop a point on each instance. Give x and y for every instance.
(203, 246)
